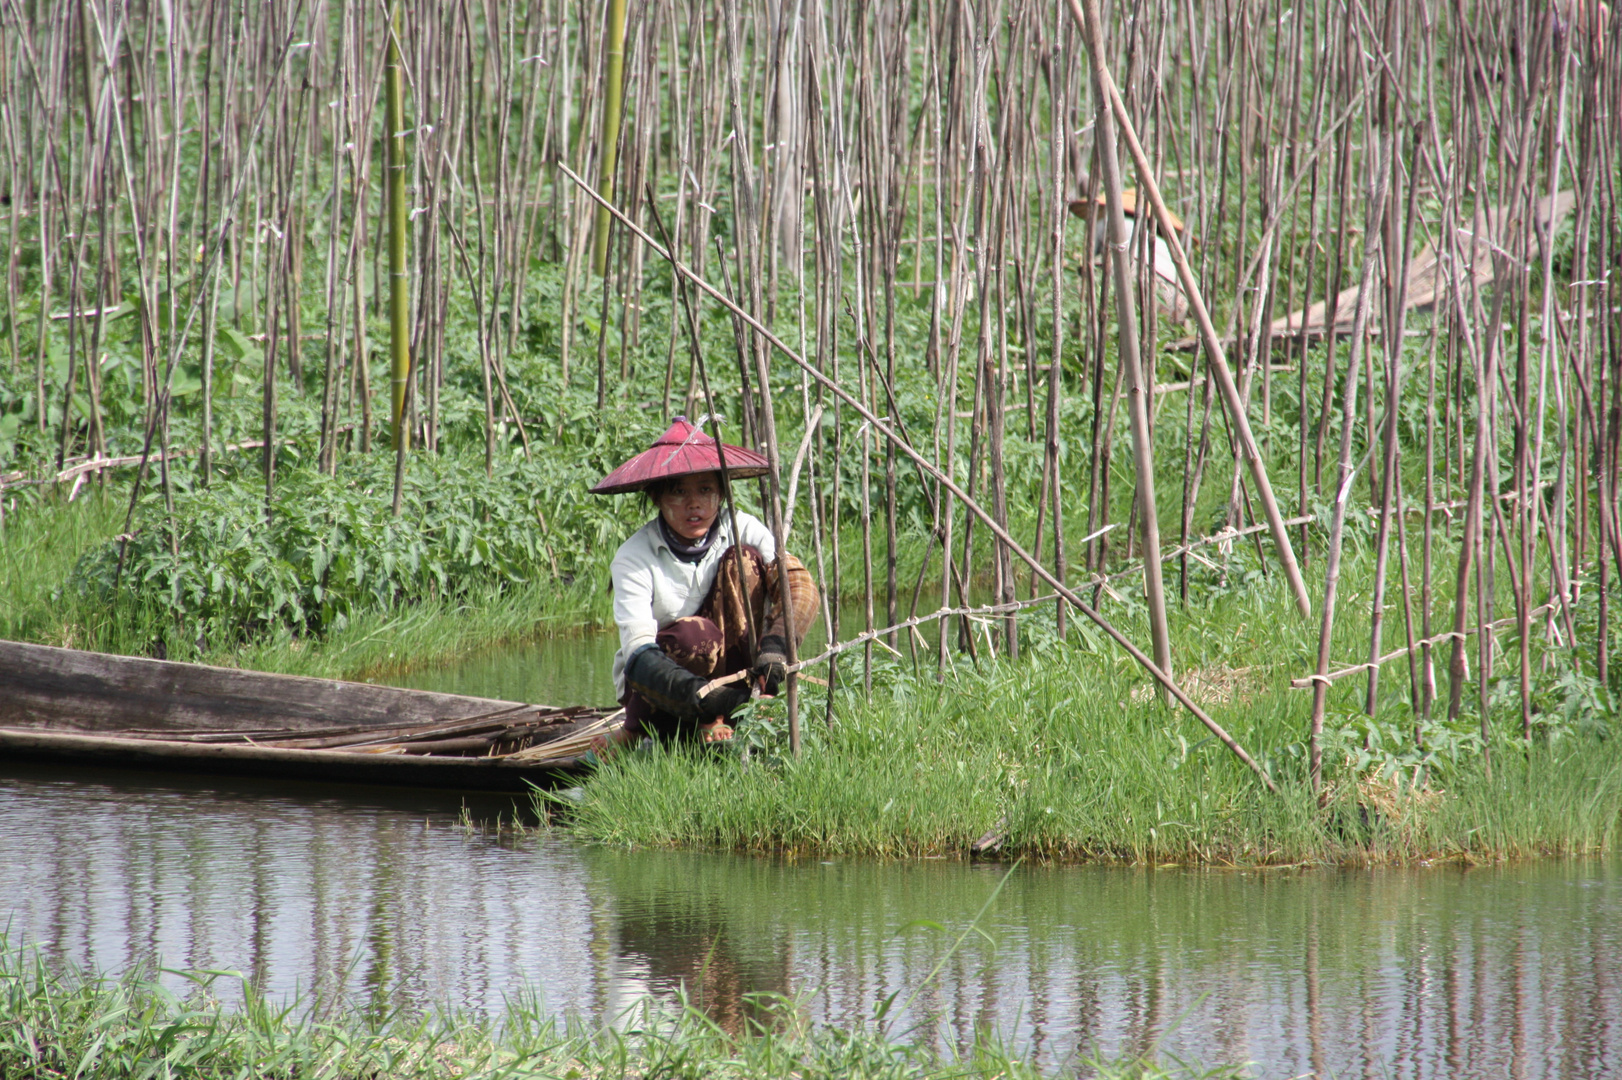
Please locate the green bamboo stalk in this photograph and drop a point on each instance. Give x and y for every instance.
(399, 285)
(608, 151)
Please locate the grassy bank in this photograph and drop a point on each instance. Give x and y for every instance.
(1064, 754)
(1067, 755)
(39, 602)
(54, 1025)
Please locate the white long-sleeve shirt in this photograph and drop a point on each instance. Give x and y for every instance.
(653, 588)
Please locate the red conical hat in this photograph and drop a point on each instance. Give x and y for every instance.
(681, 451)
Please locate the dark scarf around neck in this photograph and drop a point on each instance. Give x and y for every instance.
(689, 551)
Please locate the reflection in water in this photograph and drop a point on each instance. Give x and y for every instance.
(677, 928)
(571, 670)
(386, 899)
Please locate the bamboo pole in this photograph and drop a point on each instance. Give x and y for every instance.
(1059, 82)
(1343, 488)
(609, 146)
(399, 279)
(1127, 340)
(1214, 353)
(1396, 258)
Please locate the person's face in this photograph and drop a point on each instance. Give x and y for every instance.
(690, 503)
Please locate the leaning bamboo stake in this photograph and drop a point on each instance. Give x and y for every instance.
(1059, 55)
(1393, 321)
(1143, 459)
(691, 325)
(1216, 357)
(766, 429)
(943, 478)
(399, 284)
(774, 485)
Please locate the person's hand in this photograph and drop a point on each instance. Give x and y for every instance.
(723, 701)
(771, 665)
(672, 688)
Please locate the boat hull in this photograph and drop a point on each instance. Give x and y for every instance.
(74, 707)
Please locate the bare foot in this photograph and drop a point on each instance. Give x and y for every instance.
(717, 731)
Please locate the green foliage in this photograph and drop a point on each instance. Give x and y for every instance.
(227, 577)
(331, 550)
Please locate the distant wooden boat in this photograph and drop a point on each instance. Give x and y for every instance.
(1487, 233)
(69, 706)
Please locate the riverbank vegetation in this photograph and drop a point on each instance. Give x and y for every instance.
(1067, 755)
(55, 1024)
(55, 589)
(1388, 459)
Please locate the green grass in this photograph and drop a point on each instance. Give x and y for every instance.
(1067, 755)
(38, 548)
(55, 1025)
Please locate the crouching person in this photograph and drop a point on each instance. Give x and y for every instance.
(688, 592)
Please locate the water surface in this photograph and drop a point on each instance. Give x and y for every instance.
(576, 669)
(389, 896)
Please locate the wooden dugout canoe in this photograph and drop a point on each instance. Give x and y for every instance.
(75, 707)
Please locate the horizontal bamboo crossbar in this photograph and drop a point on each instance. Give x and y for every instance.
(905, 624)
(97, 464)
(1307, 682)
